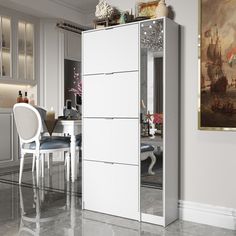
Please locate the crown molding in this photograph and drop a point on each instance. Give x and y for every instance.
(69, 6)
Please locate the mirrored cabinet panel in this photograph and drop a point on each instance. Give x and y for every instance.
(159, 121)
(5, 46)
(151, 38)
(25, 51)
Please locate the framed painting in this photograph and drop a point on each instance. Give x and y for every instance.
(217, 61)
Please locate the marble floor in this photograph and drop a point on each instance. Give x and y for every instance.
(55, 209)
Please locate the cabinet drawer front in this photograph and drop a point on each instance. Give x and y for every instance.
(111, 189)
(125, 94)
(97, 96)
(96, 139)
(125, 141)
(111, 95)
(111, 140)
(111, 50)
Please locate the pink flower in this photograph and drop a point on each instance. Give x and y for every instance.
(157, 118)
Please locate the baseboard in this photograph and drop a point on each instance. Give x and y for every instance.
(207, 214)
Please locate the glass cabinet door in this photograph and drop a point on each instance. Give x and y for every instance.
(25, 51)
(5, 47)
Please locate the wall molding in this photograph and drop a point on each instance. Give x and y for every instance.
(208, 214)
(71, 6)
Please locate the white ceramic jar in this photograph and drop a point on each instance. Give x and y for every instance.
(162, 9)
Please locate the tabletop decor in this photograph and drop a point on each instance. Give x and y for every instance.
(217, 59)
(77, 90)
(73, 84)
(50, 121)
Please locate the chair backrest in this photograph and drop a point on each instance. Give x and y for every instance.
(28, 122)
(42, 113)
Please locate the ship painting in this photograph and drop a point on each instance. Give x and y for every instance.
(218, 65)
(214, 63)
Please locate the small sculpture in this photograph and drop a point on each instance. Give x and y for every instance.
(162, 9)
(104, 10)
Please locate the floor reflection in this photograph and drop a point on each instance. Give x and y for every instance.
(54, 180)
(26, 210)
(48, 210)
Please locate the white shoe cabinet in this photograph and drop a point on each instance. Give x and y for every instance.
(111, 72)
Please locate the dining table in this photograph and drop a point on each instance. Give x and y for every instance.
(72, 128)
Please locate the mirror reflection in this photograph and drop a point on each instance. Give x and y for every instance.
(151, 117)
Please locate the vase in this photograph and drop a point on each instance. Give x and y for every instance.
(162, 9)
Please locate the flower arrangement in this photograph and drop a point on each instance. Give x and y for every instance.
(77, 90)
(77, 84)
(157, 118)
(158, 122)
(155, 121)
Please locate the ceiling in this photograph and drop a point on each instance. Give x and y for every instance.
(82, 5)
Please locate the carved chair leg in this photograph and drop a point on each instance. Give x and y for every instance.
(153, 158)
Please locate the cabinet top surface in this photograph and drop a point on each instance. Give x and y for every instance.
(127, 24)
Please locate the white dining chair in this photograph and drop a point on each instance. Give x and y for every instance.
(74, 115)
(29, 126)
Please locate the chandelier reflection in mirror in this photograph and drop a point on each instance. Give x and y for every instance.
(152, 35)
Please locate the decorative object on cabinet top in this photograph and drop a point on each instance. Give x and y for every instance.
(104, 10)
(162, 9)
(146, 9)
(108, 15)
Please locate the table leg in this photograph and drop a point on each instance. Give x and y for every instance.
(73, 160)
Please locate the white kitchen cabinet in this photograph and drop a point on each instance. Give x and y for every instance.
(5, 47)
(111, 95)
(111, 50)
(112, 189)
(6, 137)
(25, 53)
(112, 140)
(18, 48)
(72, 46)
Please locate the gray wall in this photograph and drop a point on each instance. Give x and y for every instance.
(208, 158)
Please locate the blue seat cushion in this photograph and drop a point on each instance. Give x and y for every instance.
(49, 143)
(146, 147)
(78, 140)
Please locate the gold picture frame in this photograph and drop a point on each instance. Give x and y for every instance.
(147, 9)
(217, 63)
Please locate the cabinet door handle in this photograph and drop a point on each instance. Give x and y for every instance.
(111, 73)
(106, 162)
